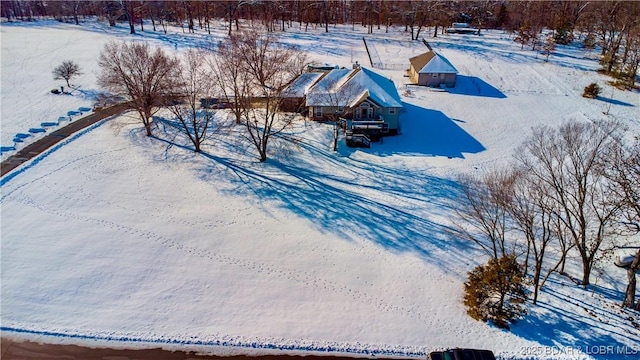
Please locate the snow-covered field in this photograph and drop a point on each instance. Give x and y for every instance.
(117, 239)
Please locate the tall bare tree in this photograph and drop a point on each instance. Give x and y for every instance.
(531, 210)
(335, 99)
(232, 82)
(622, 167)
(193, 82)
(566, 161)
(142, 73)
(485, 212)
(266, 67)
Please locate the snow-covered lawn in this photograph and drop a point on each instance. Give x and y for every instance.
(116, 237)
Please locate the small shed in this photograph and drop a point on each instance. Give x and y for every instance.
(432, 69)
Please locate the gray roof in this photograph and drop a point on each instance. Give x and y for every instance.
(346, 87)
(301, 85)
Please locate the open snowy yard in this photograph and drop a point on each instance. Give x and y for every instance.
(116, 237)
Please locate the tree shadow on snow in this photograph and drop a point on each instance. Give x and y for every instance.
(366, 201)
(427, 132)
(397, 208)
(570, 327)
(614, 101)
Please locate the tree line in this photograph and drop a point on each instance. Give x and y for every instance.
(613, 26)
(571, 194)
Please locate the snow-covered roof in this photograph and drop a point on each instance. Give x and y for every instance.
(381, 89)
(301, 85)
(346, 87)
(432, 62)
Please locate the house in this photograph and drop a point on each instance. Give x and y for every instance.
(368, 102)
(295, 94)
(432, 69)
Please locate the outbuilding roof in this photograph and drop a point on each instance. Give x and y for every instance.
(432, 62)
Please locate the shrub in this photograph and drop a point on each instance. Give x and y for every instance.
(589, 41)
(562, 35)
(591, 91)
(496, 292)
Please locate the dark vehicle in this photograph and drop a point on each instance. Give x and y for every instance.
(462, 354)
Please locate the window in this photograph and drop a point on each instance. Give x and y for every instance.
(318, 111)
(392, 111)
(434, 75)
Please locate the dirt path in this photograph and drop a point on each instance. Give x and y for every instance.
(28, 350)
(37, 147)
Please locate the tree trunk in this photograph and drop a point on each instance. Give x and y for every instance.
(147, 124)
(630, 296)
(326, 16)
(586, 272)
(536, 281)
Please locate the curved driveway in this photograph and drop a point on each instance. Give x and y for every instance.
(32, 150)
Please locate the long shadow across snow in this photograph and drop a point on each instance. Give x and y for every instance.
(428, 132)
(563, 329)
(614, 101)
(390, 210)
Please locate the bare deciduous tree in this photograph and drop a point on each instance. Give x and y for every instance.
(565, 161)
(335, 99)
(549, 47)
(230, 78)
(265, 70)
(486, 211)
(530, 208)
(67, 71)
(622, 167)
(142, 73)
(193, 83)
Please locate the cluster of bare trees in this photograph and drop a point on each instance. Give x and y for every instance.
(611, 25)
(563, 16)
(570, 190)
(252, 70)
(248, 72)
